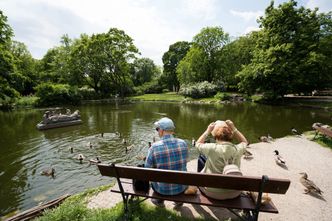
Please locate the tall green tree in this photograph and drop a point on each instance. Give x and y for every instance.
(171, 59)
(234, 56)
(286, 58)
(25, 69)
(143, 70)
(211, 40)
(202, 63)
(102, 60)
(6, 60)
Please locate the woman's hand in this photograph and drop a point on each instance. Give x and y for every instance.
(230, 124)
(210, 127)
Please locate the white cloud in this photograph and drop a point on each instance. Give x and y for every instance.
(247, 15)
(250, 29)
(323, 5)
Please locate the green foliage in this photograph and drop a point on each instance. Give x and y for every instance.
(286, 58)
(26, 101)
(52, 94)
(101, 61)
(171, 59)
(199, 90)
(149, 88)
(233, 56)
(143, 70)
(222, 96)
(88, 94)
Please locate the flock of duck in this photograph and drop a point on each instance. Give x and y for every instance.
(309, 185)
(279, 160)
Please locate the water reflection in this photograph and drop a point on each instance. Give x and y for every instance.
(25, 151)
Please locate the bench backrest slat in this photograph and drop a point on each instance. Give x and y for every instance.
(247, 183)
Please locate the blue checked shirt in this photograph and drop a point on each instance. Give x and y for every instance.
(170, 154)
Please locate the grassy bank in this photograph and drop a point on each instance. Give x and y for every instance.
(171, 96)
(75, 208)
(320, 139)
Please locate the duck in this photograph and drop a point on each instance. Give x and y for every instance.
(129, 147)
(80, 157)
(270, 138)
(48, 172)
(309, 185)
(89, 144)
(279, 159)
(295, 132)
(95, 161)
(247, 154)
(263, 139)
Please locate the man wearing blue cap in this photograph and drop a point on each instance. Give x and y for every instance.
(169, 153)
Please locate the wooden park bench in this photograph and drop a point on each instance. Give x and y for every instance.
(264, 184)
(323, 129)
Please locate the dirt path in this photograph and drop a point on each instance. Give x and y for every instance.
(301, 155)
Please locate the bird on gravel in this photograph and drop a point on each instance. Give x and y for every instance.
(279, 159)
(264, 139)
(247, 154)
(269, 137)
(295, 132)
(309, 185)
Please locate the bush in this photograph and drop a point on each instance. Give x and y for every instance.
(53, 94)
(88, 94)
(199, 90)
(149, 88)
(222, 96)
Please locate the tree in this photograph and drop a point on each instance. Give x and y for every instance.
(6, 60)
(25, 71)
(286, 58)
(102, 60)
(143, 70)
(171, 59)
(193, 67)
(211, 40)
(234, 55)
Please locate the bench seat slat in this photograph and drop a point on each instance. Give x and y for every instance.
(242, 202)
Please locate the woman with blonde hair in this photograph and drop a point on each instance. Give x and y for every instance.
(221, 153)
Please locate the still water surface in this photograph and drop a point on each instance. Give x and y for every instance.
(25, 151)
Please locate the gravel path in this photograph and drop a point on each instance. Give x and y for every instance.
(301, 155)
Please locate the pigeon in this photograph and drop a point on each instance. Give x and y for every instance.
(309, 185)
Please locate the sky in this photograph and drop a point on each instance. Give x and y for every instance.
(153, 24)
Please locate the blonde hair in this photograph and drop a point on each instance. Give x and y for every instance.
(223, 133)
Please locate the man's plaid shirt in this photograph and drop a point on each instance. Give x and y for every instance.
(170, 154)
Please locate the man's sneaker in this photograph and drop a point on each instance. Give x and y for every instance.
(158, 202)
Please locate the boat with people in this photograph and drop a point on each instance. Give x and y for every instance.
(54, 120)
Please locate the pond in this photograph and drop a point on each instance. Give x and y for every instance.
(25, 151)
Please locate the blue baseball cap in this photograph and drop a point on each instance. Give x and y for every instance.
(165, 124)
